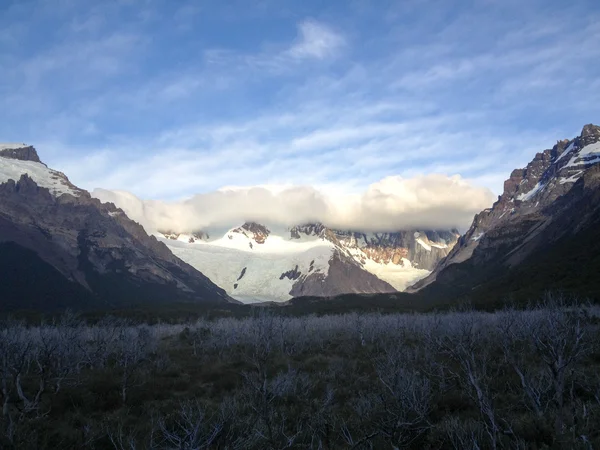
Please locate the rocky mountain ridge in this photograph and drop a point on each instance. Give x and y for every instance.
(21, 152)
(422, 248)
(552, 199)
(91, 252)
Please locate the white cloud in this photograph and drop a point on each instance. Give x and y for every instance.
(316, 40)
(394, 203)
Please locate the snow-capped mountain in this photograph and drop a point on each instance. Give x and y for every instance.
(255, 262)
(21, 159)
(60, 247)
(539, 219)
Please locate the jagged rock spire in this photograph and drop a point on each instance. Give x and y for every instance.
(590, 134)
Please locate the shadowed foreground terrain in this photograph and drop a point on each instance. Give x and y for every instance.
(453, 380)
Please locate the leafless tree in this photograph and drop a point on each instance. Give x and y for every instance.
(132, 346)
(120, 438)
(264, 397)
(189, 428)
(465, 435)
(560, 340)
(515, 337)
(98, 346)
(322, 424)
(468, 347)
(405, 397)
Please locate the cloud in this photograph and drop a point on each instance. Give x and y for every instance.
(165, 102)
(393, 203)
(315, 43)
(316, 40)
(325, 145)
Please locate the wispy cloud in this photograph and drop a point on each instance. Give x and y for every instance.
(316, 40)
(316, 146)
(170, 102)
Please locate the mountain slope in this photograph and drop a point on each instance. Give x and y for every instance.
(64, 248)
(254, 262)
(539, 234)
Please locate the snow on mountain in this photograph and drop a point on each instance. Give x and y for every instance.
(253, 272)
(530, 203)
(399, 276)
(11, 146)
(12, 169)
(259, 263)
(550, 175)
(72, 250)
(528, 195)
(423, 244)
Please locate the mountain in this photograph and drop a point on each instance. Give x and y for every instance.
(541, 234)
(255, 262)
(59, 247)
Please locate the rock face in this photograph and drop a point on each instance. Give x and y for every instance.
(87, 254)
(21, 153)
(543, 206)
(345, 276)
(254, 231)
(422, 249)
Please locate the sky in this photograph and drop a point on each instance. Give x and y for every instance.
(169, 100)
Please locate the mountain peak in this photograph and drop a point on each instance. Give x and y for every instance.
(22, 152)
(590, 128)
(534, 199)
(590, 134)
(89, 253)
(255, 231)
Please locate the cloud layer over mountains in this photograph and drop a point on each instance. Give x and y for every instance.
(425, 201)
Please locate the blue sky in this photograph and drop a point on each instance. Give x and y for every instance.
(171, 98)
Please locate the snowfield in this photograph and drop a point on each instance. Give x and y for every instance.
(12, 169)
(252, 272)
(400, 277)
(252, 277)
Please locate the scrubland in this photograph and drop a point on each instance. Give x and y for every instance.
(512, 379)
